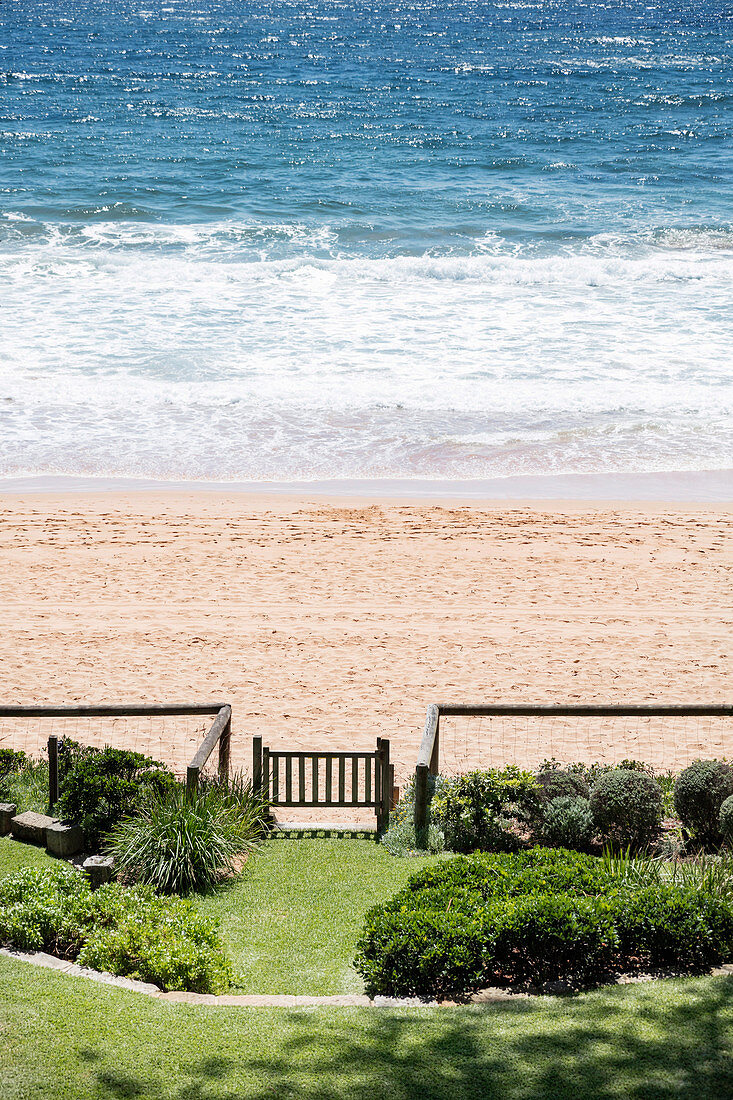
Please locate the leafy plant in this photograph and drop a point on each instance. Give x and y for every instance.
(100, 786)
(561, 783)
(178, 843)
(699, 794)
(11, 761)
(541, 914)
(486, 810)
(131, 932)
(627, 808)
(725, 820)
(567, 823)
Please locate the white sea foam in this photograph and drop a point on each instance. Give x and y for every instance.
(162, 351)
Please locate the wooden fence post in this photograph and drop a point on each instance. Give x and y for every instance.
(257, 765)
(53, 772)
(421, 805)
(265, 778)
(192, 780)
(224, 747)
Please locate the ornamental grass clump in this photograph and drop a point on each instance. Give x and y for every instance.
(179, 843)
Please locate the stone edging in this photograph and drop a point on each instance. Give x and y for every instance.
(265, 1000)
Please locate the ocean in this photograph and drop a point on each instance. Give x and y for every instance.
(293, 241)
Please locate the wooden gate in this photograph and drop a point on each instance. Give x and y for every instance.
(360, 780)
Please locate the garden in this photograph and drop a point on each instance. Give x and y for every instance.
(205, 898)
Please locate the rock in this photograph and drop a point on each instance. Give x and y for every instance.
(64, 840)
(7, 813)
(99, 869)
(31, 827)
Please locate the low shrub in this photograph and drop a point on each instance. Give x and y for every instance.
(486, 810)
(536, 916)
(100, 786)
(11, 761)
(556, 782)
(567, 823)
(178, 843)
(399, 838)
(627, 808)
(543, 937)
(725, 820)
(699, 794)
(130, 932)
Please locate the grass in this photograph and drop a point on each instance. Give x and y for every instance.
(62, 1038)
(27, 788)
(290, 924)
(14, 856)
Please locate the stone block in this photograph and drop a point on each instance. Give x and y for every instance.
(64, 840)
(7, 813)
(31, 827)
(99, 869)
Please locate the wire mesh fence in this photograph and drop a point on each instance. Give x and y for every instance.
(171, 739)
(666, 742)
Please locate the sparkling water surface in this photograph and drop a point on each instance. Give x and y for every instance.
(288, 241)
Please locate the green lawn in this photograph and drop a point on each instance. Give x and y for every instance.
(65, 1038)
(291, 922)
(13, 856)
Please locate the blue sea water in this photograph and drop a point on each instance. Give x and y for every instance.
(436, 239)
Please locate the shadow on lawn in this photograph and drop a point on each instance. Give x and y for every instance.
(584, 1048)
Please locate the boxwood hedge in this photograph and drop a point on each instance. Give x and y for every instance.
(533, 917)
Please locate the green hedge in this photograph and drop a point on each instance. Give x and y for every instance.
(130, 932)
(532, 917)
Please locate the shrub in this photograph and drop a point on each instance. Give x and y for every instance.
(567, 823)
(561, 783)
(549, 936)
(627, 808)
(130, 932)
(488, 810)
(540, 915)
(725, 820)
(99, 787)
(669, 925)
(11, 761)
(699, 794)
(179, 843)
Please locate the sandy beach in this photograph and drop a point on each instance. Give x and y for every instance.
(328, 622)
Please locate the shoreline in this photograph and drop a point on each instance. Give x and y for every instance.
(703, 487)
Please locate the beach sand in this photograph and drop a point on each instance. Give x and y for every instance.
(328, 622)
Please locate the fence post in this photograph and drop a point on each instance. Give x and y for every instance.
(257, 765)
(53, 772)
(435, 754)
(192, 780)
(421, 805)
(265, 776)
(384, 790)
(224, 745)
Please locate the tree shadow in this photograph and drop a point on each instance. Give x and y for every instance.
(623, 1043)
